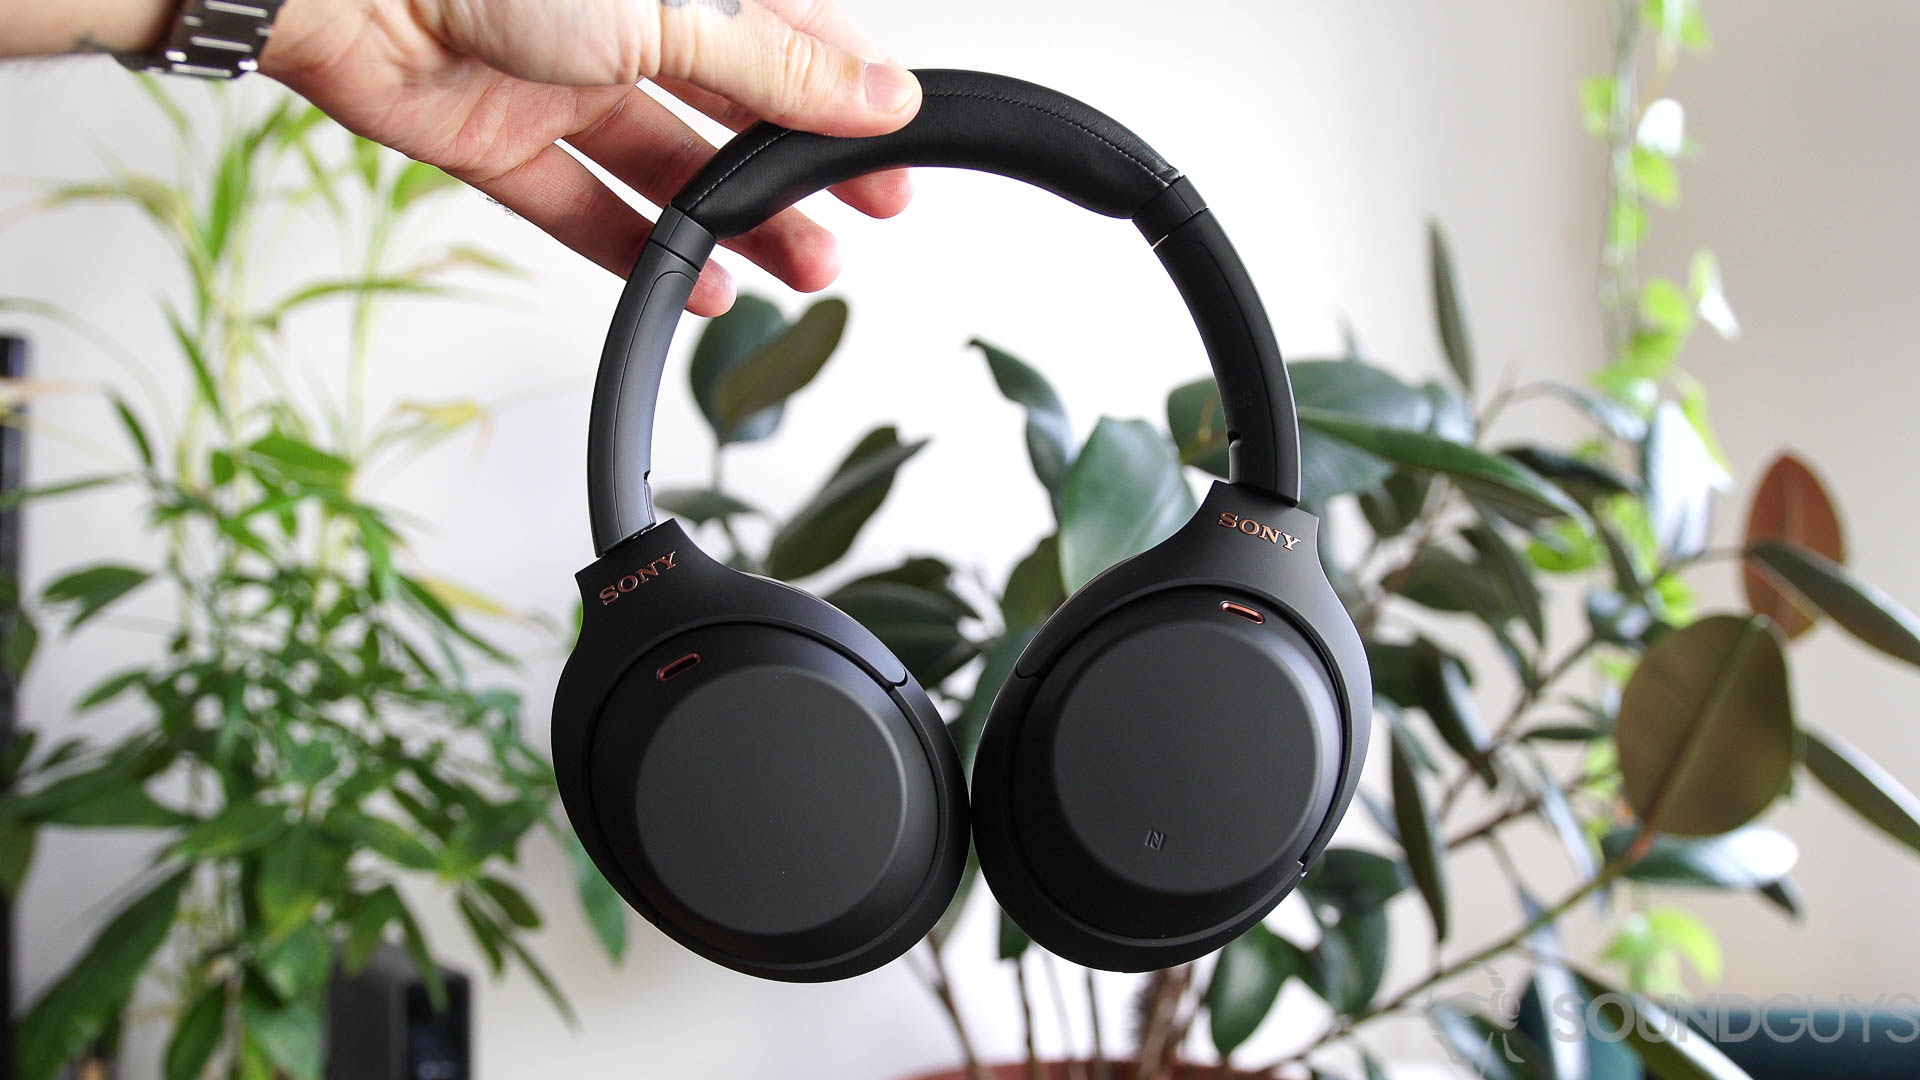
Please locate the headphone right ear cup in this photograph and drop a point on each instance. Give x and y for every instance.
(763, 780)
(1172, 750)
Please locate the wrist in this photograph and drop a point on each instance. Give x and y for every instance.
(83, 26)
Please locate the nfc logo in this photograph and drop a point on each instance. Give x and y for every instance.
(1155, 838)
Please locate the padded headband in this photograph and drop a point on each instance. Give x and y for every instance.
(967, 120)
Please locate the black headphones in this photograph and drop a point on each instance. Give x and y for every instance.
(759, 777)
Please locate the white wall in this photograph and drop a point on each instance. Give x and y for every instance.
(1324, 135)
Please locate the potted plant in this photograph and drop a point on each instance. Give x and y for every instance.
(320, 726)
(1651, 782)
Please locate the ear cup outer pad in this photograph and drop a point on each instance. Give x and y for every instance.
(751, 768)
(1176, 744)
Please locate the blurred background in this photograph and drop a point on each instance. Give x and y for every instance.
(1325, 136)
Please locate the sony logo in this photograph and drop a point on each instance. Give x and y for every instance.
(638, 578)
(1253, 528)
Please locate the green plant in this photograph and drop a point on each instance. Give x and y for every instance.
(317, 731)
(1650, 779)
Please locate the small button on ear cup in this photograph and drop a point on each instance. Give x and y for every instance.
(778, 806)
(1154, 790)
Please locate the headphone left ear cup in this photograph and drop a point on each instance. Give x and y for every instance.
(778, 804)
(753, 771)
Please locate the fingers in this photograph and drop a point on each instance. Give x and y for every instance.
(748, 54)
(880, 195)
(560, 196)
(647, 148)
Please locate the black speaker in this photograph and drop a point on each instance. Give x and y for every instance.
(382, 1026)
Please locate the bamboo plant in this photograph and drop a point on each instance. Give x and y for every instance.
(322, 720)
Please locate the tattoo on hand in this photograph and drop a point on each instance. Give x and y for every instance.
(87, 43)
(724, 7)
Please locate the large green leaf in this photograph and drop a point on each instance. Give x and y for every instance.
(1705, 734)
(293, 873)
(1746, 858)
(1049, 435)
(1510, 573)
(1246, 982)
(1499, 481)
(1034, 589)
(1863, 610)
(197, 1036)
(125, 807)
(1439, 685)
(288, 1034)
(1014, 941)
(240, 828)
(1448, 307)
(1358, 391)
(1124, 494)
(1444, 581)
(822, 530)
(72, 1012)
(299, 963)
(1352, 879)
(1860, 782)
(1665, 1045)
(1329, 467)
(1001, 657)
(700, 505)
(91, 590)
(1492, 1052)
(1419, 836)
(765, 378)
(728, 342)
(605, 911)
(1346, 968)
(1587, 481)
(1199, 425)
(383, 837)
(920, 626)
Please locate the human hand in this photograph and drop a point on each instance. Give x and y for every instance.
(487, 89)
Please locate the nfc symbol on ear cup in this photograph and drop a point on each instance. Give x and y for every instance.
(1155, 838)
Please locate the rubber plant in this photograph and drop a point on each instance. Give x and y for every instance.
(1682, 731)
(319, 723)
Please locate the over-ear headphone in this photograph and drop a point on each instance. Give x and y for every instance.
(758, 776)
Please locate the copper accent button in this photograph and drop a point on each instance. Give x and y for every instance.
(1243, 611)
(675, 667)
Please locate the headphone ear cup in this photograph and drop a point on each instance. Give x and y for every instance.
(1172, 750)
(764, 780)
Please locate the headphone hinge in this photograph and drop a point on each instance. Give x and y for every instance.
(1168, 210)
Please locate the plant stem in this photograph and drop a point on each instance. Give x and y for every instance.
(1155, 1047)
(1026, 1018)
(1076, 1070)
(942, 987)
(1619, 270)
(1340, 1029)
(1101, 1071)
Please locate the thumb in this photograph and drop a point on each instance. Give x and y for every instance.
(753, 57)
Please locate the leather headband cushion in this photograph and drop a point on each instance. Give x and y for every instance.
(967, 120)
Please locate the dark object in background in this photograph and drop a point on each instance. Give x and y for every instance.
(13, 363)
(1823, 1042)
(381, 1026)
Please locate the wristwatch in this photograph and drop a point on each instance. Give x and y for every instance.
(212, 39)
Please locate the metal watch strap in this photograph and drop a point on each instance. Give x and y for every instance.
(212, 39)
